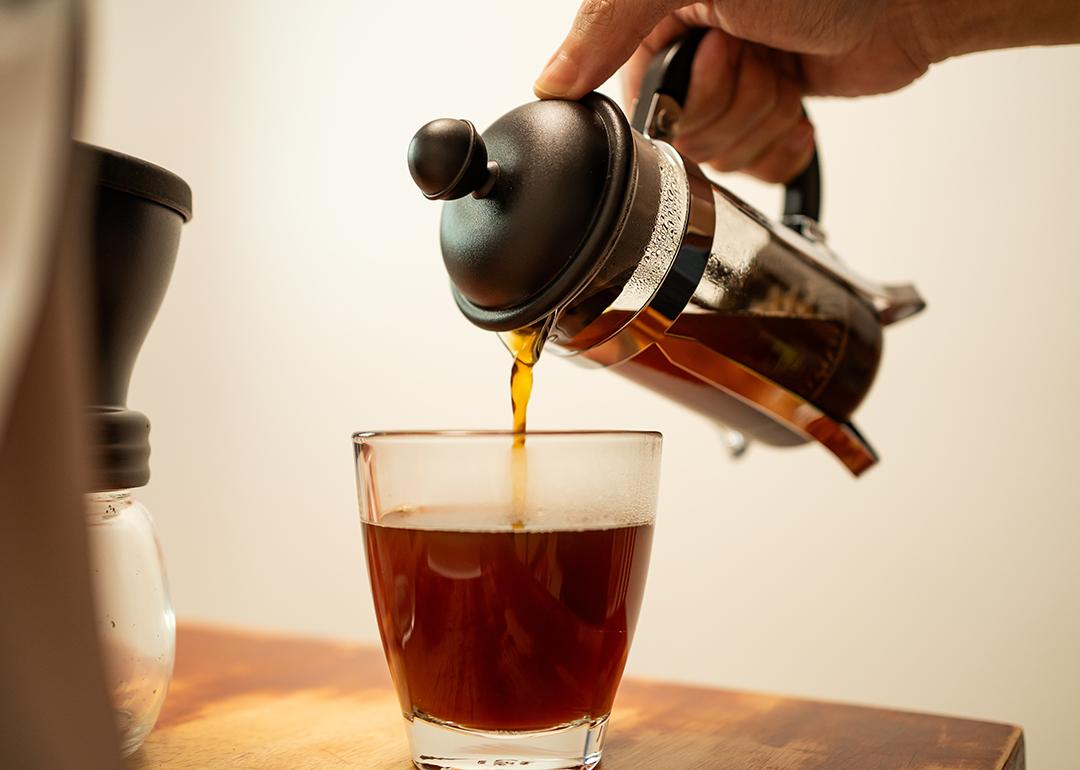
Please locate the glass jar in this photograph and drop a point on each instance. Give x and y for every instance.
(134, 612)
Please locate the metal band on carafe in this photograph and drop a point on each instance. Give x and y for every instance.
(667, 268)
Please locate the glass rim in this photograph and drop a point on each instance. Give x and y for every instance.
(363, 436)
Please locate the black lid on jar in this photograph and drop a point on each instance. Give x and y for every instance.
(137, 213)
(532, 205)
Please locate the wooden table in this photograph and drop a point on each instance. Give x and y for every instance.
(244, 701)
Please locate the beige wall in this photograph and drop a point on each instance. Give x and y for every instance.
(309, 301)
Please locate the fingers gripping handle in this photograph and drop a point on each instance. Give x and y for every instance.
(659, 107)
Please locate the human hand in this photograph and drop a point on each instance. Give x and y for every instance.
(743, 110)
(744, 107)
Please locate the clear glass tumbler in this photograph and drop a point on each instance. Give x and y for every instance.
(507, 584)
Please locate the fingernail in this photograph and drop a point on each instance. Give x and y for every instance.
(558, 77)
(801, 136)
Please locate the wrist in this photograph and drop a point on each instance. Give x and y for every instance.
(953, 27)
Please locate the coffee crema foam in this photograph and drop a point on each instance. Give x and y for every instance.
(494, 519)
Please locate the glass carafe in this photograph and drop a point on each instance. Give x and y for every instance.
(134, 612)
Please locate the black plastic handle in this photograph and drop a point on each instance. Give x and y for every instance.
(659, 106)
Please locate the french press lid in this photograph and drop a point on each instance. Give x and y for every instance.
(533, 203)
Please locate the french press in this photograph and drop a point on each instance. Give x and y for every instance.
(564, 215)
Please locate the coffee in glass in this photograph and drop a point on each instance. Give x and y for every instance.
(506, 614)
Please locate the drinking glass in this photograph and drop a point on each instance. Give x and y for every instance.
(507, 583)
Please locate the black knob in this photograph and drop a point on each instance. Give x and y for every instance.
(448, 160)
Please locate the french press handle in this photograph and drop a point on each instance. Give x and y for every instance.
(659, 107)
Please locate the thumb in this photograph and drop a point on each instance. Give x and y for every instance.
(604, 35)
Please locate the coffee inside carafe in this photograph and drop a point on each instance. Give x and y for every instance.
(820, 359)
(823, 345)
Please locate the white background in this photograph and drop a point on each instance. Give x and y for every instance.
(309, 301)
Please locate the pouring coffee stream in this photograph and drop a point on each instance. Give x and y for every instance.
(565, 216)
(525, 345)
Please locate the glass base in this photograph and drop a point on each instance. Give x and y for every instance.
(442, 746)
(132, 733)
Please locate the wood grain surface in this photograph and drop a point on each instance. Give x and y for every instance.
(245, 701)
